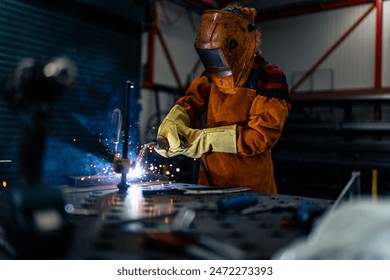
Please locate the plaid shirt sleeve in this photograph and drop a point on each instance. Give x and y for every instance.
(270, 79)
(269, 109)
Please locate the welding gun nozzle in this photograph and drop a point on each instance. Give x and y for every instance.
(162, 143)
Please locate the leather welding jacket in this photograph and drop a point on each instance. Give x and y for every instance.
(259, 109)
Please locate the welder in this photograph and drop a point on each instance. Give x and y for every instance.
(246, 101)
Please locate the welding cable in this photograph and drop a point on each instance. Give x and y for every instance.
(116, 118)
(205, 171)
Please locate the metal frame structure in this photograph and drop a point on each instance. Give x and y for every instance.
(156, 31)
(378, 6)
(331, 49)
(272, 14)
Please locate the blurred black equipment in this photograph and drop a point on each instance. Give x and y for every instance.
(33, 221)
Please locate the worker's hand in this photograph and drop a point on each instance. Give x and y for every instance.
(172, 145)
(199, 141)
(168, 130)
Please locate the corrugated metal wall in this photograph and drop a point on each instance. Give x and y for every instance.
(106, 49)
(296, 43)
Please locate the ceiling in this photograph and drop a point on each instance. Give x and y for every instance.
(272, 9)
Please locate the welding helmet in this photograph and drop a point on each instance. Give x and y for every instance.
(226, 44)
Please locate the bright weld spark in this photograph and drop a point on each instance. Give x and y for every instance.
(136, 172)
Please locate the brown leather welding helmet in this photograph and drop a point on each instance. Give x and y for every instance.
(226, 44)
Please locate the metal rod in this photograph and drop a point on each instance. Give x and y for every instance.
(378, 55)
(125, 148)
(332, 48)
(378, 43)
(354, 181)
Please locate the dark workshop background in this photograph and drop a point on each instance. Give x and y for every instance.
(103, 38)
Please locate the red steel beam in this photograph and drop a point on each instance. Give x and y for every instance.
(378, 56)
(343, 94)
(156, 31)
(341, 4)
(332, 48)
(306, 9)
(378, 43)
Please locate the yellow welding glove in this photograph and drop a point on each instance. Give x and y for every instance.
(199, 141)
(168, 130)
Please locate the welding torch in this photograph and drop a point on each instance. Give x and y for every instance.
(162, 143)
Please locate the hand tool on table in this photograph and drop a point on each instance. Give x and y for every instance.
(200, 246)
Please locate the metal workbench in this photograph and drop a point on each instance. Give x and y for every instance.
(144, 222)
